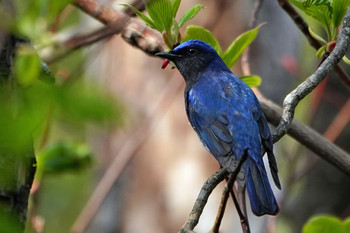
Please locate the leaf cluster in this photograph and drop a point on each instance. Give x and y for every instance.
(327, 13)
(162, 14)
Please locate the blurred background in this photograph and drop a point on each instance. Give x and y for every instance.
(158, 162)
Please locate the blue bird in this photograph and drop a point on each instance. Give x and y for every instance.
(228, 119)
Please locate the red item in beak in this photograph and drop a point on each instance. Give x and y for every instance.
(165, 63)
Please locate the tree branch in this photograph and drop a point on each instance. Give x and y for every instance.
(202, 199)
(293, 98)
(309, 138)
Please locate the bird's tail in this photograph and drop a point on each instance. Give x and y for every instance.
(262, 199)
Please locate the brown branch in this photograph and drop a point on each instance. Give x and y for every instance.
(202, 199)
(132, 31)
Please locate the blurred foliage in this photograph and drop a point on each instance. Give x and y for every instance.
(8, 222)
(326, 224)
(61, 157)
(34, 17)
(48, 109)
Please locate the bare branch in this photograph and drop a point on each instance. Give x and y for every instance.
(309, 138)
(293, 98)
(202, 199)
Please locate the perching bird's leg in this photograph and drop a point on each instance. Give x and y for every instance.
(225, 194)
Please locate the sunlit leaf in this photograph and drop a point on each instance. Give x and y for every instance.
(251, 80)
(175, 6)
(237, 47)
(199, 33)
(339, 10)
(188, 15)
(161, 13)
(323, 224)
(319, 10)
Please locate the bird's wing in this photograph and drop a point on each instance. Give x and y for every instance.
(214, 134)
(266, 140)
(208, 117)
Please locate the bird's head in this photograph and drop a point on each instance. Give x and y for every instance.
(192, 58)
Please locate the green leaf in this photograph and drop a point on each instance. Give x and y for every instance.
(321, 51)
(194, 32)
(251, 80)
(323, 224)
(161, 13)
(237, 47)
(145, 18)
(188, 15)
(317, 37)
(175, 6)
(339, 10)
(27, 65)
(346, 60)
(320, 10)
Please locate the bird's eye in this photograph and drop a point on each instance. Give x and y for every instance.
(191, 51)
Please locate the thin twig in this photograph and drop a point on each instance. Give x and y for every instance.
(128, 150)
(224, 197)
(202, 199)
(293, 98)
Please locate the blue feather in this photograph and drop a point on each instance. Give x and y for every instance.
(228, 119)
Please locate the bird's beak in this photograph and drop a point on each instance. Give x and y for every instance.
(170, 56)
